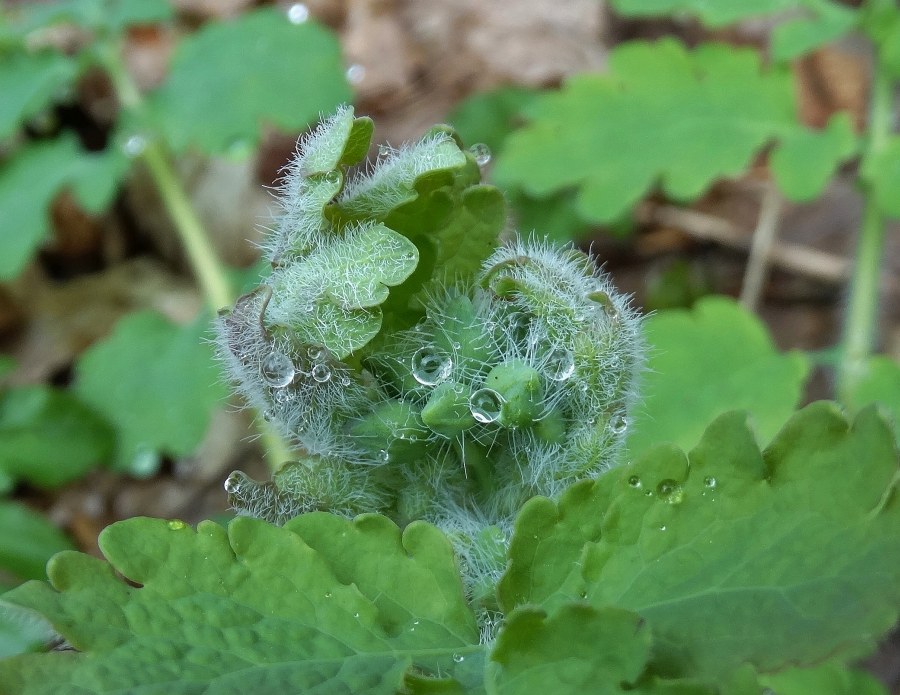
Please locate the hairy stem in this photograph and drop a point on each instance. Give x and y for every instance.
(862, 308)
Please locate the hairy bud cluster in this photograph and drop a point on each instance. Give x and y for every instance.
(419, 382)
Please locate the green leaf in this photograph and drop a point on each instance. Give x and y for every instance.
(33, 177)
(49, 437)
(345, 285)
(881, 171)
(820, 21)
(27, 541)
(29, 84)
(776, 558)
(21, 633)
(228, 79)
(879, 383)
(704, 362)
(251, 608)
(156, 382)
(824, 22)
(804, 162)
(662, 113)
(576, 650)
(104, 16)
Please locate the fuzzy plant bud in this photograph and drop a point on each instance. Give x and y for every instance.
(423, 369)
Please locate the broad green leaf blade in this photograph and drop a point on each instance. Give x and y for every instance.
(775, 558)
(252, 608)
(704, 362)
(578, 649)
(229, 79)
(156, 382)
(33, 177)
(663, 113)
(49, 437)
(27, 541)
(803, 164)
(30, 83)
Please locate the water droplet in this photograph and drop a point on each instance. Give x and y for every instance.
(234, 481)
(277, 370)
(458, 658)
(356, 615)
(321, 373)
(481, 152)
(177, 525)
(670, 491)
(298, 13)
(345, 381)
(268, 415)
(430, 367)
(135, 145)
(634, 481)
(662, 528)
(560, 364)
(710, 482)
(333, 177)
(618, 424)
(356, 73)
(315, 352)
(606, 304)
(328, 594)
(583, 387)
(457, 345)
(384, 455)
(485, 405)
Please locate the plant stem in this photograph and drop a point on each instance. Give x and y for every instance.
(210, 273)
(862, 308)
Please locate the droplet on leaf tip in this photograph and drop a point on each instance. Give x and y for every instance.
(481, 152)
(298, 13)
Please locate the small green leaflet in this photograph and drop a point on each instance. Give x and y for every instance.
(29, 83)
(27, 541)
(706, 361)
(103, 16)
(249, 608)
(49, 437)
(34, 176)
(774, 558)
(663, 114)
(156, 383)
(231, 78)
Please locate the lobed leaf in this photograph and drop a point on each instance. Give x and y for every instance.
(253, 607)
(34, 421)
(809, 23)
(43, 170)
(662, 113)
(228, 79)
(703, 362)
(156, 383)
(775, 558)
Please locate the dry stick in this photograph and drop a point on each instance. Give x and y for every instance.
(761, 247)
(802, 260)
